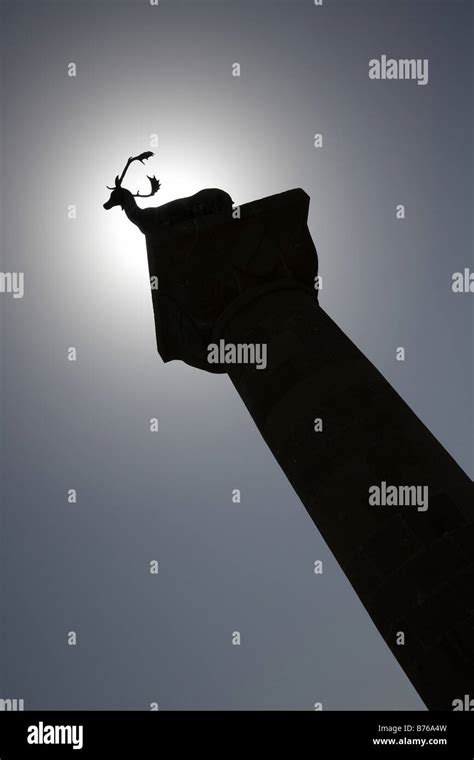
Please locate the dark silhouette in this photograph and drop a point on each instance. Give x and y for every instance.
(332, 421)
(208, 201)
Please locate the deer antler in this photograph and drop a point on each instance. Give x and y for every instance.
(155, 186)
(142, 157)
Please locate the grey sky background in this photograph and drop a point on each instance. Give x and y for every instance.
(85, 425)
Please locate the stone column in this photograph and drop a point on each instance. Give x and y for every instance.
(339, 431)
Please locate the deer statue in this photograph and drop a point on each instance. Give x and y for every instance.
(209, 201)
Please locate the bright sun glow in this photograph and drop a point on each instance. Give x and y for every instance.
(124, 240)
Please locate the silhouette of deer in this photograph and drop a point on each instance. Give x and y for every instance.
(209, 201)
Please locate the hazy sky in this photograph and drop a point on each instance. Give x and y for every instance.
(143, 496)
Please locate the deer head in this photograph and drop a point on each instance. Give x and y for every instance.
(122, 197)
